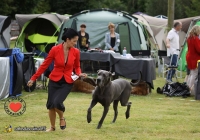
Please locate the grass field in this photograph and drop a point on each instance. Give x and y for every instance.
(153, 117)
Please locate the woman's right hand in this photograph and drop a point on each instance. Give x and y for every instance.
(30, 83)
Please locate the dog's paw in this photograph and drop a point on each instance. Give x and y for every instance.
(127, 115)
(99, 126)
(89, 118)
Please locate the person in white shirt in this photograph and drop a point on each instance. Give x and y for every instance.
(173, 48)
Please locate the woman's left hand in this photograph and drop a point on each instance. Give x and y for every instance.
(83, 75)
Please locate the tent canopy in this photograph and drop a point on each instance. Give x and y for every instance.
(54, 18)
(151, 37)
(5, 27)
(132, 33)
(159, 28)
(41, 29)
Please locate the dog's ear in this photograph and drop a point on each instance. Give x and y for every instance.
(98, 71)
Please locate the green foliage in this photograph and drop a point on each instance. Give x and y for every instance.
(156, 7)
(68, 6)
(42, 6)
(193, 9)
(115, 5)
(25, 6)
(6, 6)
(183, 8)
(134, 6)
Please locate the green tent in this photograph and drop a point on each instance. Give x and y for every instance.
(42, 29)
(133, 35)
(185, 47)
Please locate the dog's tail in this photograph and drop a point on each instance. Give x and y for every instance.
(138, 81)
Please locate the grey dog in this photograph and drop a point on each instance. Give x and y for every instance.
(107, 91)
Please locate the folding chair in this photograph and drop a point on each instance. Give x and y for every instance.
(164, 64)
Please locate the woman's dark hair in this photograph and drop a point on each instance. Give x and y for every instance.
(69, 33)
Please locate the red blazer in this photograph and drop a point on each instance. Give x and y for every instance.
(193, 54)
(60, 69)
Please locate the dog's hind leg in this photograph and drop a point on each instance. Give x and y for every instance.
(105, 111)
(89, 114)
(128, 110)
(115, 104)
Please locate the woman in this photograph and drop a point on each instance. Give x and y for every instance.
(193, 55)
(83, 38)
(66, 60)
(112, 39)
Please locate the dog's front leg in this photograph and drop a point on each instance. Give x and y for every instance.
(89, 114)
(105, 111)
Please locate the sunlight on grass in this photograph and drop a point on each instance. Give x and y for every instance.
(152, 117)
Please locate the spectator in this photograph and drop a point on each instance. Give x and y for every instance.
(83, 38)
(173, 47)
(112, 39)
(193, 55)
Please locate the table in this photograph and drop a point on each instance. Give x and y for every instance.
(128, 68)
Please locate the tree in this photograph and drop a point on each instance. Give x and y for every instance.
(161, 8)
(115, 5)
(23, 7)
(68, 6)
(180, 8)
(42, 6)
(156, 7)
(193, 9)
(170, 14)
(134, 6)
(141, 5)
(6, 6)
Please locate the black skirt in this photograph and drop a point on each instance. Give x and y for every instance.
(57, 93)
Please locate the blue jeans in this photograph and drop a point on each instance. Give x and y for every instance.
(171, 72)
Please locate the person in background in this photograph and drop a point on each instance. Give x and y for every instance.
(30, 47)
(66, 61)
(112, 39)
(193, 55)
(173, 47)
(83, 38)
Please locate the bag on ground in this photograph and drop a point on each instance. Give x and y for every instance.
(175, 89)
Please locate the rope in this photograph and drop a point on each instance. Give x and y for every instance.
(50, 38)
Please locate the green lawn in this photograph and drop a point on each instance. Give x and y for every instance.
(153, 117)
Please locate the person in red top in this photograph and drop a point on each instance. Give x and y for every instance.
(66, 61)
(193, 55)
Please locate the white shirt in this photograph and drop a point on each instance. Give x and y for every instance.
(174, 41)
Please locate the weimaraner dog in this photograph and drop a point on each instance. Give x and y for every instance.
(107, 91)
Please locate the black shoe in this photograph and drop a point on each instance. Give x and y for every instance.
(63, 127)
